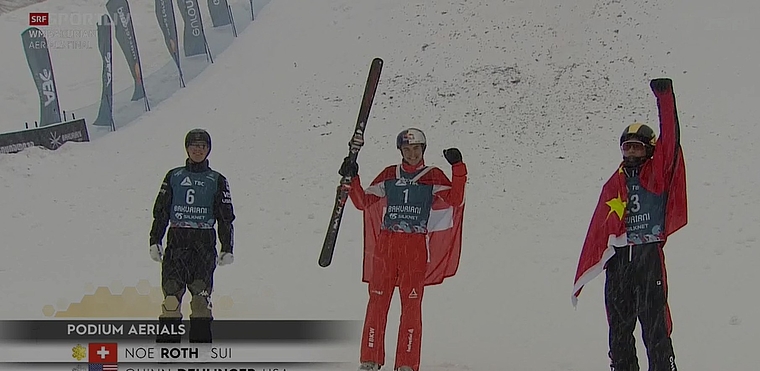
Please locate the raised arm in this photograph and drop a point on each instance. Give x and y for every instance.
(666, 150)
(451, 192)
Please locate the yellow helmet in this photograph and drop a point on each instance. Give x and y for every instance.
(640, 132)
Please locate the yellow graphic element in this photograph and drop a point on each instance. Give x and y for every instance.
(142, 300)
(616, 205)
(79, 352)
(61, 304)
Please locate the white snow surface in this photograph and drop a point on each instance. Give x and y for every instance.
(534, 93)
(11, 5)
(73, 44)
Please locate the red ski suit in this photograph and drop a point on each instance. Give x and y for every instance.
(401, 259)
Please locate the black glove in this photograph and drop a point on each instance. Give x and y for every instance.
(348, 168)
(661, 85)
(453, 156)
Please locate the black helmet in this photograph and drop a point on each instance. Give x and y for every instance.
(198, 135)
(642, 133)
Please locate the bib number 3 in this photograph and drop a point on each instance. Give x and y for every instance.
(635, 204)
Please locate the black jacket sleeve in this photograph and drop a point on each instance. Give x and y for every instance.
(224, 214)
(161, 211)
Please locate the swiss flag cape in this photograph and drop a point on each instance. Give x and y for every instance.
(444, 239)
(665, 172)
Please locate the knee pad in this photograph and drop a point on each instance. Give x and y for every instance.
(171, 308)
(200, 305)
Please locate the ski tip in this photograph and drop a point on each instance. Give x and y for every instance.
(325, 258)
(377, 60)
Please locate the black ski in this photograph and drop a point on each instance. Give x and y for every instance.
(328, 247)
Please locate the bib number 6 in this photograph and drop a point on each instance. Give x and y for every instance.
(190, 196)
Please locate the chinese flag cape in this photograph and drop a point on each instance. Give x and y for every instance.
(444, 239)
(607, 227)
(664, 173)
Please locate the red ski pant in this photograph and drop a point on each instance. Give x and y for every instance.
(400, 259)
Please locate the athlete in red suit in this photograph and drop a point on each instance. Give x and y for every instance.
(402, 255)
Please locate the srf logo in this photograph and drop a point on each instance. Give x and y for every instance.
(39, 19)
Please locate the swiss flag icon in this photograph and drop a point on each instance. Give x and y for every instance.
(102, 353)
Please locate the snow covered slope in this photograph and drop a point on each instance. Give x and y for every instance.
(535, 95)
(11, 5)
(73, 43)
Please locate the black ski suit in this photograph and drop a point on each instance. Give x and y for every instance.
(636, 288)
(192, 199)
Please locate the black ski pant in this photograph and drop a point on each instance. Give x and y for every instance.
(189, 263)
(636, 288)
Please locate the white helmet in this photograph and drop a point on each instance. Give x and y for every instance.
(411, 136)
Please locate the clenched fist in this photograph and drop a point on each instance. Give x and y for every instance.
(452, 155)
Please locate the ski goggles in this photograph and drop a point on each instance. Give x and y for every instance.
(632, 145)
(199, 145)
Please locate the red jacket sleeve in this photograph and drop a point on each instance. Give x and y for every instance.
(364, 198)
(454, 195)
(666, 150)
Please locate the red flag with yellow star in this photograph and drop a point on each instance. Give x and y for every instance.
(607, 230)
(665, 172)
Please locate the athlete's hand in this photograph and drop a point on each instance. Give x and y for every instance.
(226, 258)
(453, 155)
(348, 168)
(156, 252)
(661, 85)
